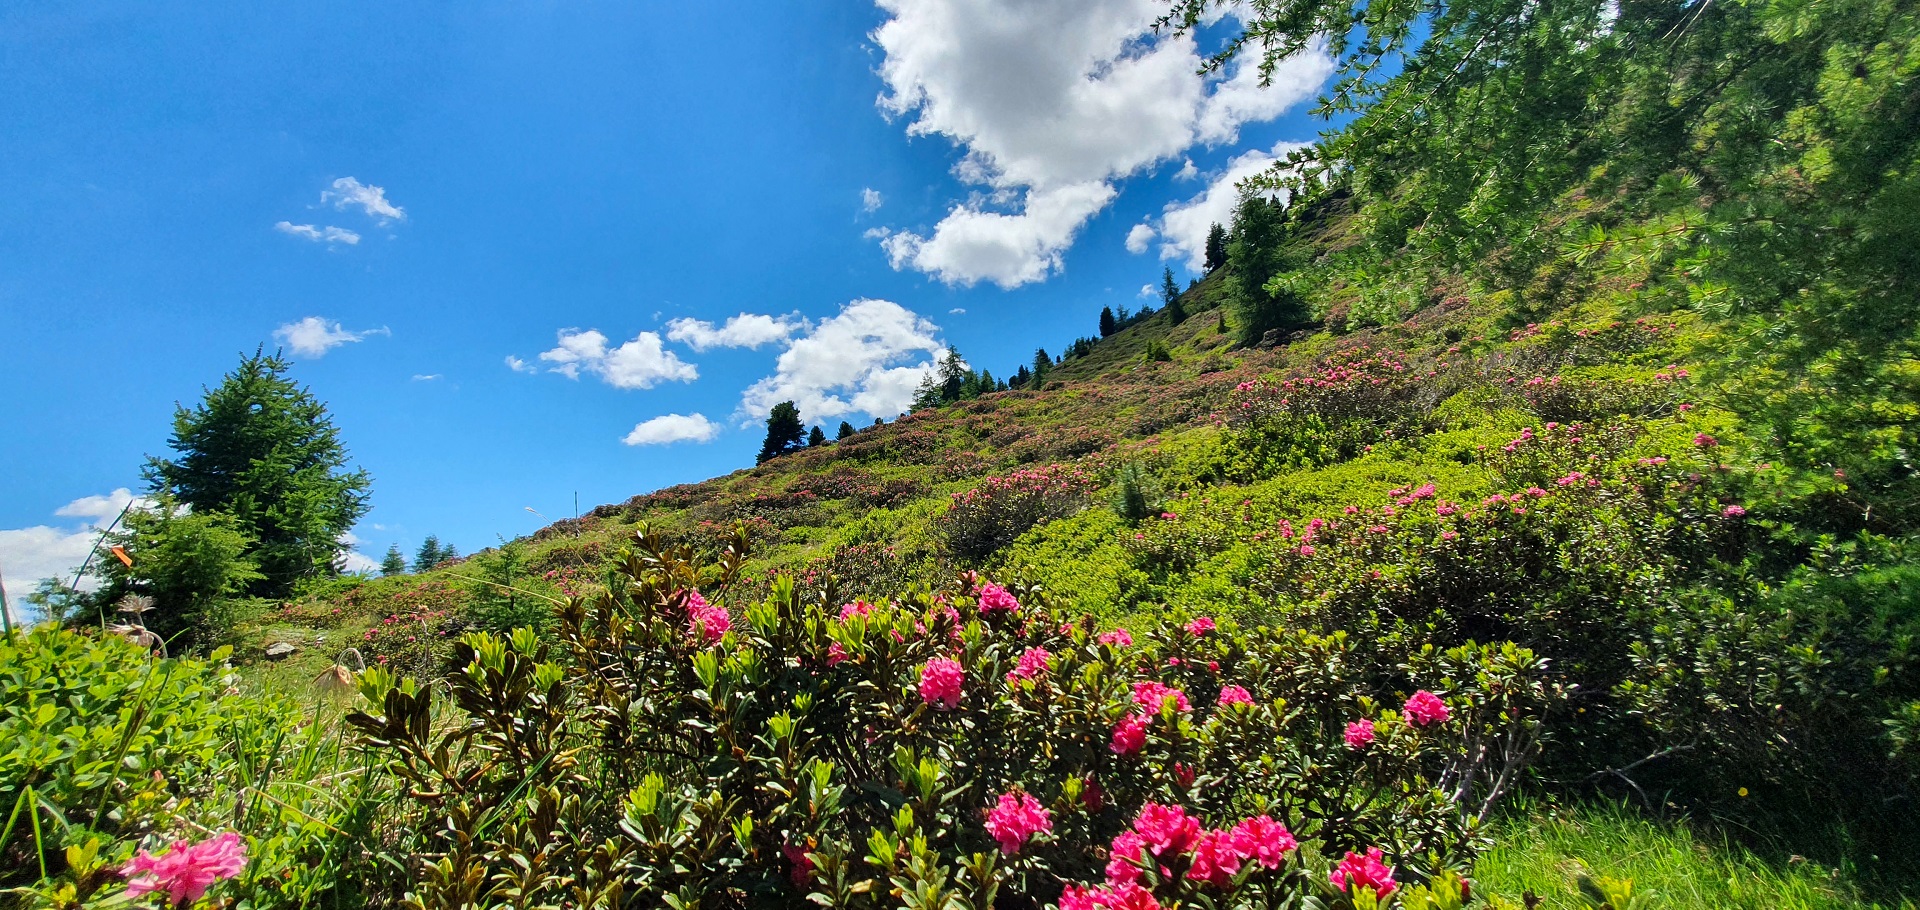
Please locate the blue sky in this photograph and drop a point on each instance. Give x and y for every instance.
(419, 201)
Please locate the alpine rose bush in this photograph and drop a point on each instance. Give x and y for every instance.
(831, 753)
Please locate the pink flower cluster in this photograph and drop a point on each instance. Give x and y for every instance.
(1214, 856)
(940, 683)
(1031, 665)
(994, 598)
(185, 872)
(1017, 818)
(1118, 638)
(1150, 696)
(1357, 871)
(705, 621)
(1360, 733)
(1425, 709)
(1234, 695)
(1200, 626)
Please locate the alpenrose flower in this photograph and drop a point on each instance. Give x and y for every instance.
(1130, 735)
(1151, 696)
(1200, 626)
(940, 682)
(1032, 664)
(1234, 695)
(1112, 897)
(994, 598)
(705, 621)
(1119, 638)
(185, 872)
(1360, 733)
(1425, 709)
(1016, 819)
(1357, 871)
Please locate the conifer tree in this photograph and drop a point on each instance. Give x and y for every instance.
(261, 448)
(395, 563)
(1108, 325)
(817, 437)
(846, 430)
(1257, 250)
(429, 554)
(785, 432)
(1216, 247)
(1170, 292)
(953, 376)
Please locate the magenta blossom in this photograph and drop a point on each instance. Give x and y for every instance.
(940, 682)
(994, 598)
(1234, 695)
(1425, 708)
(1119, 638)
(1150, 696)
(1016, 818)
(802, 867)
(1356, 871)
(1734, 511)
(185, 872)
(1216, 858)
(1033, 663)
(1130, 735)
(1200, 626)
(1264, 839)
(835, 654)
(1124, 860)
(705, 621)
(1166, 829)
(1360, 733)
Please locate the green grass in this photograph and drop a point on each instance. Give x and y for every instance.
(1669, 864)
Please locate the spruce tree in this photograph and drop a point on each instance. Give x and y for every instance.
(1108, 325)
(846, 430)
(785, 432)
(1216, 247)
(1257, 250)
(1170, 292)
(953, 376)
(429, 554)
(817, 437)
(261, 448)
(395, 563)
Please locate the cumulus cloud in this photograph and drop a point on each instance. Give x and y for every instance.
(868, 358)
(1052, 103)
(747, 330)
(520, 366)
(328, 234)
(1147, 292)
(1183, 226)
(638, 364)
(372, 200)
(31, 554)
(671, 428)
(1187, 171)
(1139, 238)
(314, 336)
(871, 200)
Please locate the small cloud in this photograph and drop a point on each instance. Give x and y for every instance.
(1187, 171)
(671, 428)
(747, 330)
(1147, 291)
(314, 336)
(1139, 238)
(871, 200)
(520, 366)
(347, 191)
(328, 234)
(878, 233)
(637, 364)
(957, 311)
(426, 377)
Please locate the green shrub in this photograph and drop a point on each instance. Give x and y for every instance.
(981, 520)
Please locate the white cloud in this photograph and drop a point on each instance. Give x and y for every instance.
(868, 358)
(520, 366)
(871, 200)
(30, 554)
(347, 191)
(1052, 102)
(1147, 291)
(974, 244)
(638, 364)
(328, 234)
(747, 330)
(314, 336)
(670, 428)
(1139, 238)
(1184, 225)
(957, 311)
(1187, 171)
(427, 377)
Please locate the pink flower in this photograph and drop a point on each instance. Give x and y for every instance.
(1264, 839)
(1425, 491)
(1125, 858)
(1119, 638)
(1216, 858)
(1425, 708)
(1150, 696)
(1032, 663)
(835, 654)
(994, 598)
(802, 871)
(858, 608)
(1130, 735)
(1734, 511)
(1167, 829)
(1702, 439)
(1360, 733)
(1128, 896)
(185, 872)
(1367, 871)
(705, 621)
(940, 682)
(1234, 695)
(1200, 626)
(1017, 818)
